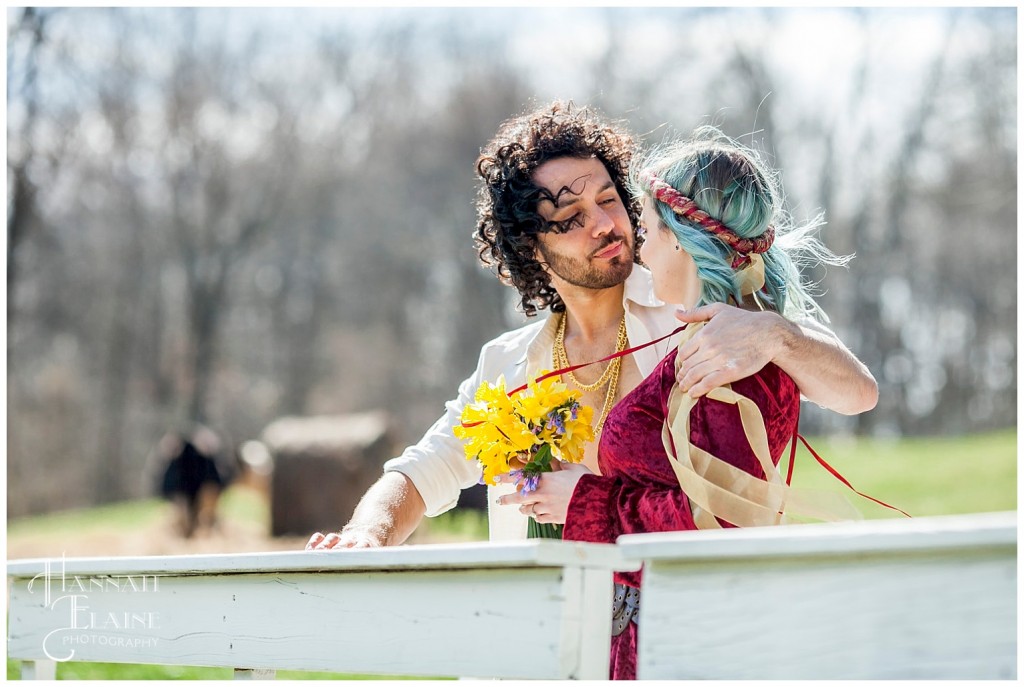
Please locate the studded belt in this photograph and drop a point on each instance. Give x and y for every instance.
(625, 606)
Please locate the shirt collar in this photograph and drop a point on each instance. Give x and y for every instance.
(640, 289)
(538, 353)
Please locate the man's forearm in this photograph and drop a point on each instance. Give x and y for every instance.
(736, 343)
(826, 372)
(389, 511)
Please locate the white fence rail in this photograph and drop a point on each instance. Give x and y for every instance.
(920, 599)
(928, 598)
(537, 609)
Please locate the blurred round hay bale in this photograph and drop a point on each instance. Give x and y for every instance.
(322, 466)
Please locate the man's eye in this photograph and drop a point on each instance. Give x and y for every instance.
(568, 224)
(610, 201)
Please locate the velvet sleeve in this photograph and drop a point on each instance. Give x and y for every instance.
(640, 492)
(602, 508)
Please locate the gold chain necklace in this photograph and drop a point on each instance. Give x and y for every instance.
(610, 376)
(562, 360)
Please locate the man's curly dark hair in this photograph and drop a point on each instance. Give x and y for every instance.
(507, 219)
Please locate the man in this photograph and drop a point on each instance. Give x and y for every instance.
(556, 221)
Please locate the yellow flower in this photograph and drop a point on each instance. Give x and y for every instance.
(496, 428)
(492, 431)
(540, 398)
(578, 433)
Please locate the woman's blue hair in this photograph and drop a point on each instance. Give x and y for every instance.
(733, 185)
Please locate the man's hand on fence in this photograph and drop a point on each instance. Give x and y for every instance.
(346, 539)
(386, 516)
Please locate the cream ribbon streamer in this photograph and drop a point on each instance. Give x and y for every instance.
(750, 279)
(716, 488)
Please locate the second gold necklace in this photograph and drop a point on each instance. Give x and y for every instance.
(610, 376)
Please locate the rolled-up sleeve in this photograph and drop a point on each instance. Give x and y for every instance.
(437, 464)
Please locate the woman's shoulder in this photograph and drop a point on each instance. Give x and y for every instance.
(665, 371)
(770, 386)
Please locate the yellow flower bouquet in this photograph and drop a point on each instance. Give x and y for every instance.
(521, 431)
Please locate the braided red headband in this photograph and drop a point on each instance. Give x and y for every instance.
(685, 207)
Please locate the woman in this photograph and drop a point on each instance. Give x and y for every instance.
(715, 231)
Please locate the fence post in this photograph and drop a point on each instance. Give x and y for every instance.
(39, 670)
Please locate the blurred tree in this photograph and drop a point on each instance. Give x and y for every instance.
(26, 37)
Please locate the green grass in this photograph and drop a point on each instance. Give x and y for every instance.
(71, 522)
(243, 505)
(134, 671)
(455, 525)
(923, 476)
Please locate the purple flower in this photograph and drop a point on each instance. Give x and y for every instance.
(525, 483)
(556, 420)
(530, 484)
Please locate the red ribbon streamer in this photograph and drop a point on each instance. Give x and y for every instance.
(832, 470)
(792, 450)
(842, 479)
(613, 356)
(572, 368)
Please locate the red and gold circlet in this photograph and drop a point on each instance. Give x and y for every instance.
(687, 208)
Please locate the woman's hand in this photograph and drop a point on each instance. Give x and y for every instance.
(549, 502)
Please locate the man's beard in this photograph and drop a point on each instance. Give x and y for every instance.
(582, 273)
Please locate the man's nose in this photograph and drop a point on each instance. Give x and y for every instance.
(604, 223)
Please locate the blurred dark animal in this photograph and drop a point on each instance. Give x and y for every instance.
(194, 474)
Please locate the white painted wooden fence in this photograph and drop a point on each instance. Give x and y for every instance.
(537, 609)
(927, 598)
(919, 599)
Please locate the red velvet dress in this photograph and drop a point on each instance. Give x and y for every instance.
(638, 491)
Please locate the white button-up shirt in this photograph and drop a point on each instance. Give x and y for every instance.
(438, 466)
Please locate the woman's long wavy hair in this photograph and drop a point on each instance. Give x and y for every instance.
(731, 183)
(507, 219)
